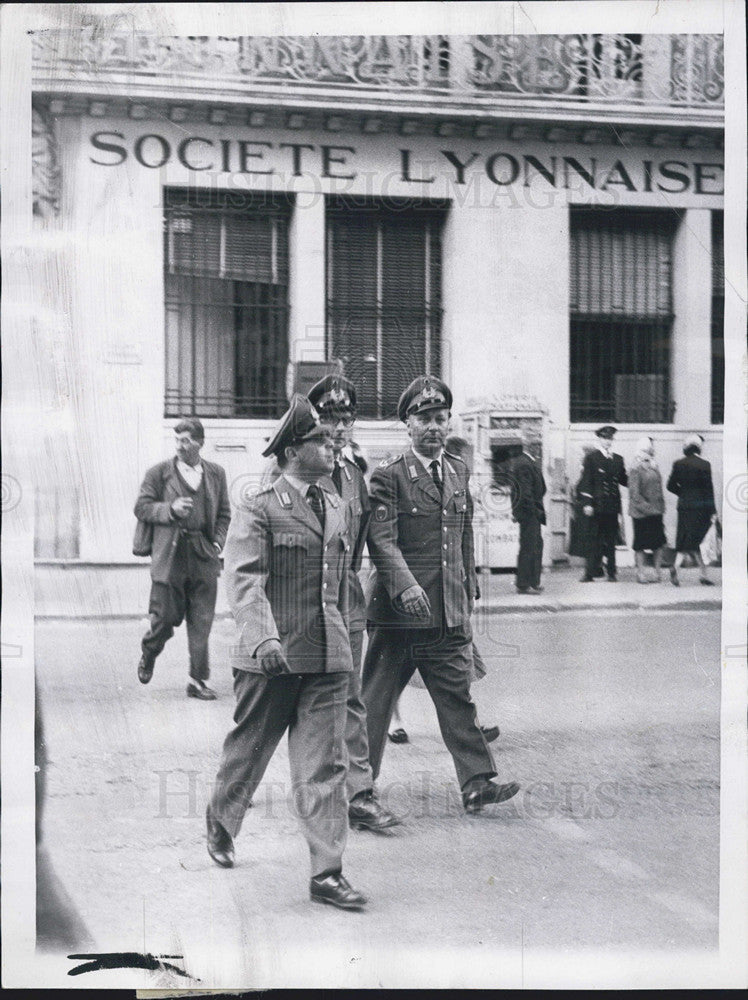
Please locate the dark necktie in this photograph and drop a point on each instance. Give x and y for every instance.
(314, 498)
(337, 478)
(434, 466)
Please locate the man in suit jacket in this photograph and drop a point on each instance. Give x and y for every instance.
(603, 472)
(287, 557)
(186, 501)
(528, 490)
(421, 544)
(334, 397)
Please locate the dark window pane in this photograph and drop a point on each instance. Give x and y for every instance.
(384, 296)
(226, 263)
(718, 318)
(621, 315)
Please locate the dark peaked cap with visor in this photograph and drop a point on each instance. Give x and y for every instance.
(299, 423)
(424, 393)
(333, 393)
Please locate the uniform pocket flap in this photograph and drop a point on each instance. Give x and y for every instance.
(290, 540)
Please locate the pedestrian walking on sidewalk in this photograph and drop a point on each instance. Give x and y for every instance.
(603, 473)
(646, 507)
(528, 490)
(183, 515)
(334, 398)
(691, 481)
(422, 594)
(287, 559)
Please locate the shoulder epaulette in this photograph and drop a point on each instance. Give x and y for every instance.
(387, 462)
(455, 458)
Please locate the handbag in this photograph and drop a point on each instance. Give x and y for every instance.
(142, 542)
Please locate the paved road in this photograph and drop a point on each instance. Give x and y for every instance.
(609, 721)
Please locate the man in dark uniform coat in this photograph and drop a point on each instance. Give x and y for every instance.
(528, 490)
(603, 472)
(187, 502)
(334, 397)
(287, 556)
(421, 545)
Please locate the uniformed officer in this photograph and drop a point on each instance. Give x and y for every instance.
(334, 397)
(421, 545)
(603, 472)
(286, 559)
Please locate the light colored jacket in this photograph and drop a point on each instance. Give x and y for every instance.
(645, 489)
(286, 579)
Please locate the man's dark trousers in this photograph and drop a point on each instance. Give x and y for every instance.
(189, 596)
(443, 657)
(602, 543)
(530, 555)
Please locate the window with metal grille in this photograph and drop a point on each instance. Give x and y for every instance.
(718, 317)
(384, 315)
(226, 293)
(621, 315)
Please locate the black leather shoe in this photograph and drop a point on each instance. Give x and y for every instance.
(220, 844)
(398, 736)
(486, 794)
(537, 590)
(336, 891)
(145, 668)
(198, 689)
(366, 813)
(586, 579)
(613, 578)
(490, 733)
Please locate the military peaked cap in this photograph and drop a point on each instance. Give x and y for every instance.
(427, 392)
(299, 423)
(333, 392)
(606, 432)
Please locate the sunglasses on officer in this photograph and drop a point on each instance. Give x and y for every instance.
(337, 419)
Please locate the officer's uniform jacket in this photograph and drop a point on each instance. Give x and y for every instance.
(356, 497)
(287, 581)
(601, 476)
(416, 536)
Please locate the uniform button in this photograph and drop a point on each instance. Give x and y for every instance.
(415, 510)
(326, 566)
(444, 528)
(444, 546)
(324, 586)
(445, 513)
(444, 562)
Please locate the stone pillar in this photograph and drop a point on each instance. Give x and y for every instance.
(307, 278)
(691, 343)
(506, 300)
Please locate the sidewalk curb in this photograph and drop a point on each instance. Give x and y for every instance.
(557, 608)
(712, 604)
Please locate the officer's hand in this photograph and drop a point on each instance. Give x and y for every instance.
(415, 602)
(182, 506)
(271, 659)
(589, 511)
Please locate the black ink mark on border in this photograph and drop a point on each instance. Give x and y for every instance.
(125, 960)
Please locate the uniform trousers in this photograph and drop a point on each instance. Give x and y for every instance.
(190, 595)
(312, 707)
(360, 778)
(443, 657)
(602, 543)
(530, 554)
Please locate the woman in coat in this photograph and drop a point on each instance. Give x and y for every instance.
(646, 507)
(691, 481)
